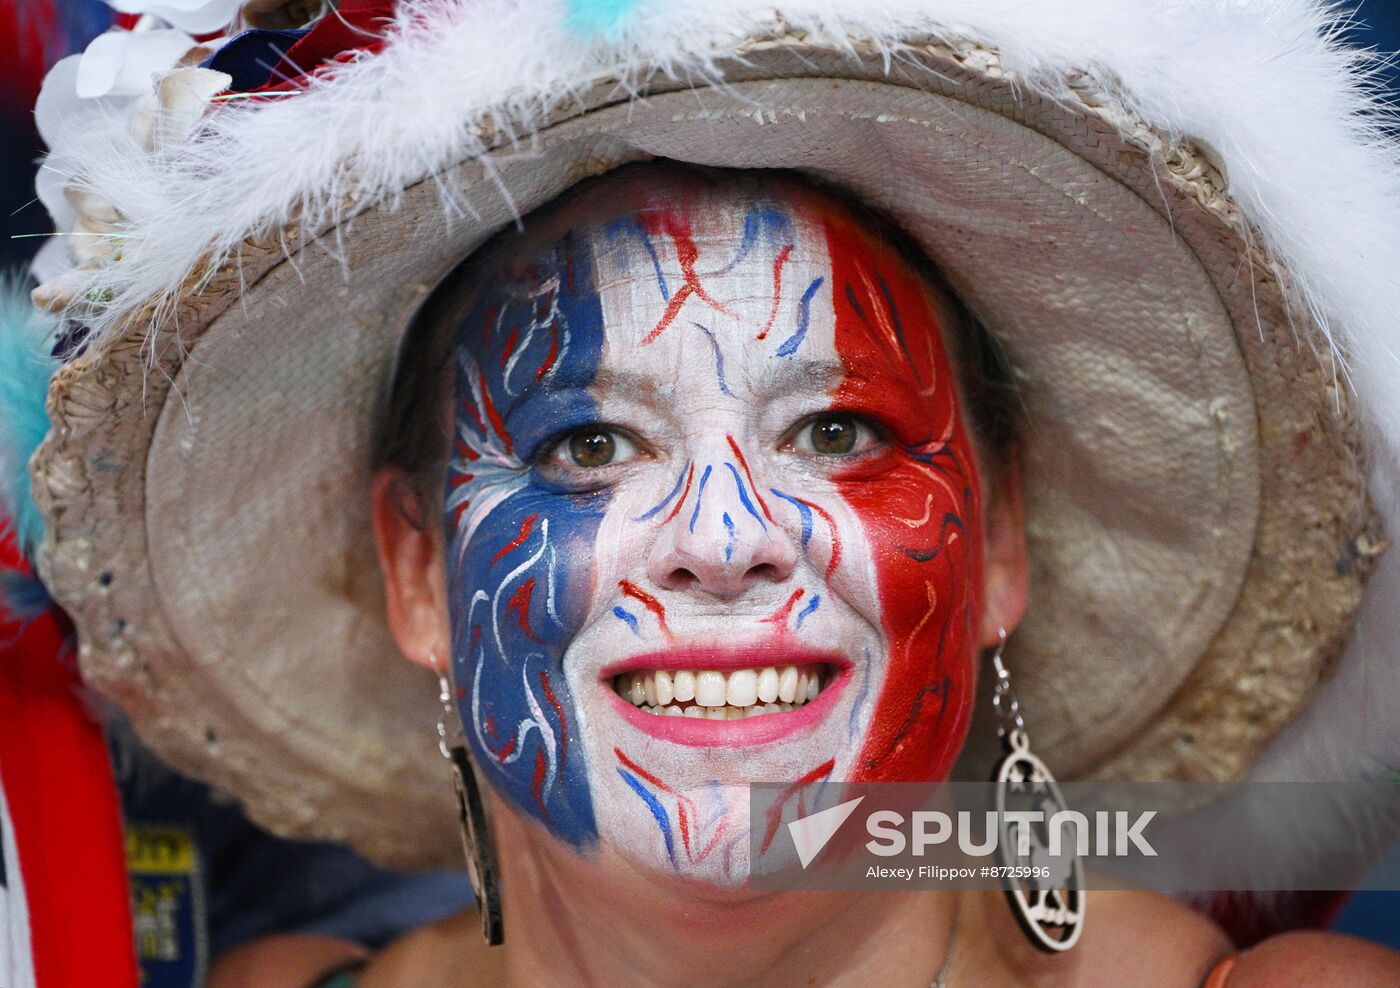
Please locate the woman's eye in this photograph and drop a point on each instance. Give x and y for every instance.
(835, 435)
(591, 448)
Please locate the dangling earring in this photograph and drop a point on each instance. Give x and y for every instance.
(1050, 911)
(471, 810)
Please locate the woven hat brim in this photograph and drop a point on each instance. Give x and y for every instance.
(1191, 471)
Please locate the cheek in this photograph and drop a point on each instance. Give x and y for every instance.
(917, 507)
(919, 523)
(518, 553)
(519, 588)
(532, 556)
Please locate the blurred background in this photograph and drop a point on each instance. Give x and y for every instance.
(36, 33)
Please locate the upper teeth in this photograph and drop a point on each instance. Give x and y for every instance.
(708, 693)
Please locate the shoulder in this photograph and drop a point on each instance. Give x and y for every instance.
(1315, 959)
(1148, 938)
(1130, 938)
(445, 954)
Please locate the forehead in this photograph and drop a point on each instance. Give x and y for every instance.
(715, 275)
(692, 276)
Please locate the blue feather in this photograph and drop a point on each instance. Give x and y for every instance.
(597, 16)
(62, 27)
(26, 366)
(22, 598)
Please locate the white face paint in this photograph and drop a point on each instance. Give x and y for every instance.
(737, 535)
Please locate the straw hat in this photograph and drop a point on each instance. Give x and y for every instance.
(1175, 220)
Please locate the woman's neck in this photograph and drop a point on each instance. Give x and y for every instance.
(594, 920)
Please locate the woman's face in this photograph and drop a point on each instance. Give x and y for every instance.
(712, 517)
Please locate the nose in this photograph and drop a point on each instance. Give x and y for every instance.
(724, 542)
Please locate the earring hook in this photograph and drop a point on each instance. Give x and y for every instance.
(1010, 724)
(445, 698)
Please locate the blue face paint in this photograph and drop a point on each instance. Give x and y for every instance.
(519, 570)
(661, 506)
(629, 227)
(766, 226)
(699, 497)
(744, 495)
(804, 318)
(719, 360)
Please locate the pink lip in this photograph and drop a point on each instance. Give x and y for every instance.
(764, 729)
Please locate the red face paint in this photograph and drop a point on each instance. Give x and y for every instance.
(918, 504)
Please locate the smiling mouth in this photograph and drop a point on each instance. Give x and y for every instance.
(710, 694)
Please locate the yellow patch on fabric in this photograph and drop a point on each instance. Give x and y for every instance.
(159, 850)
(167, 905)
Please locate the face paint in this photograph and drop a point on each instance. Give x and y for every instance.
(915, 504)
(514, 606)
(709, 463)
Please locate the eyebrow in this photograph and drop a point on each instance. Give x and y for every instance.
(777, 377)
(782, 376)
(643, 387)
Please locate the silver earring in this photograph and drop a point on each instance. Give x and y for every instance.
(471, 812)
(1050, 911)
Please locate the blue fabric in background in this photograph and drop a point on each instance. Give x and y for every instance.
(1378, 27)
(257, 884)
(1374, 912)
